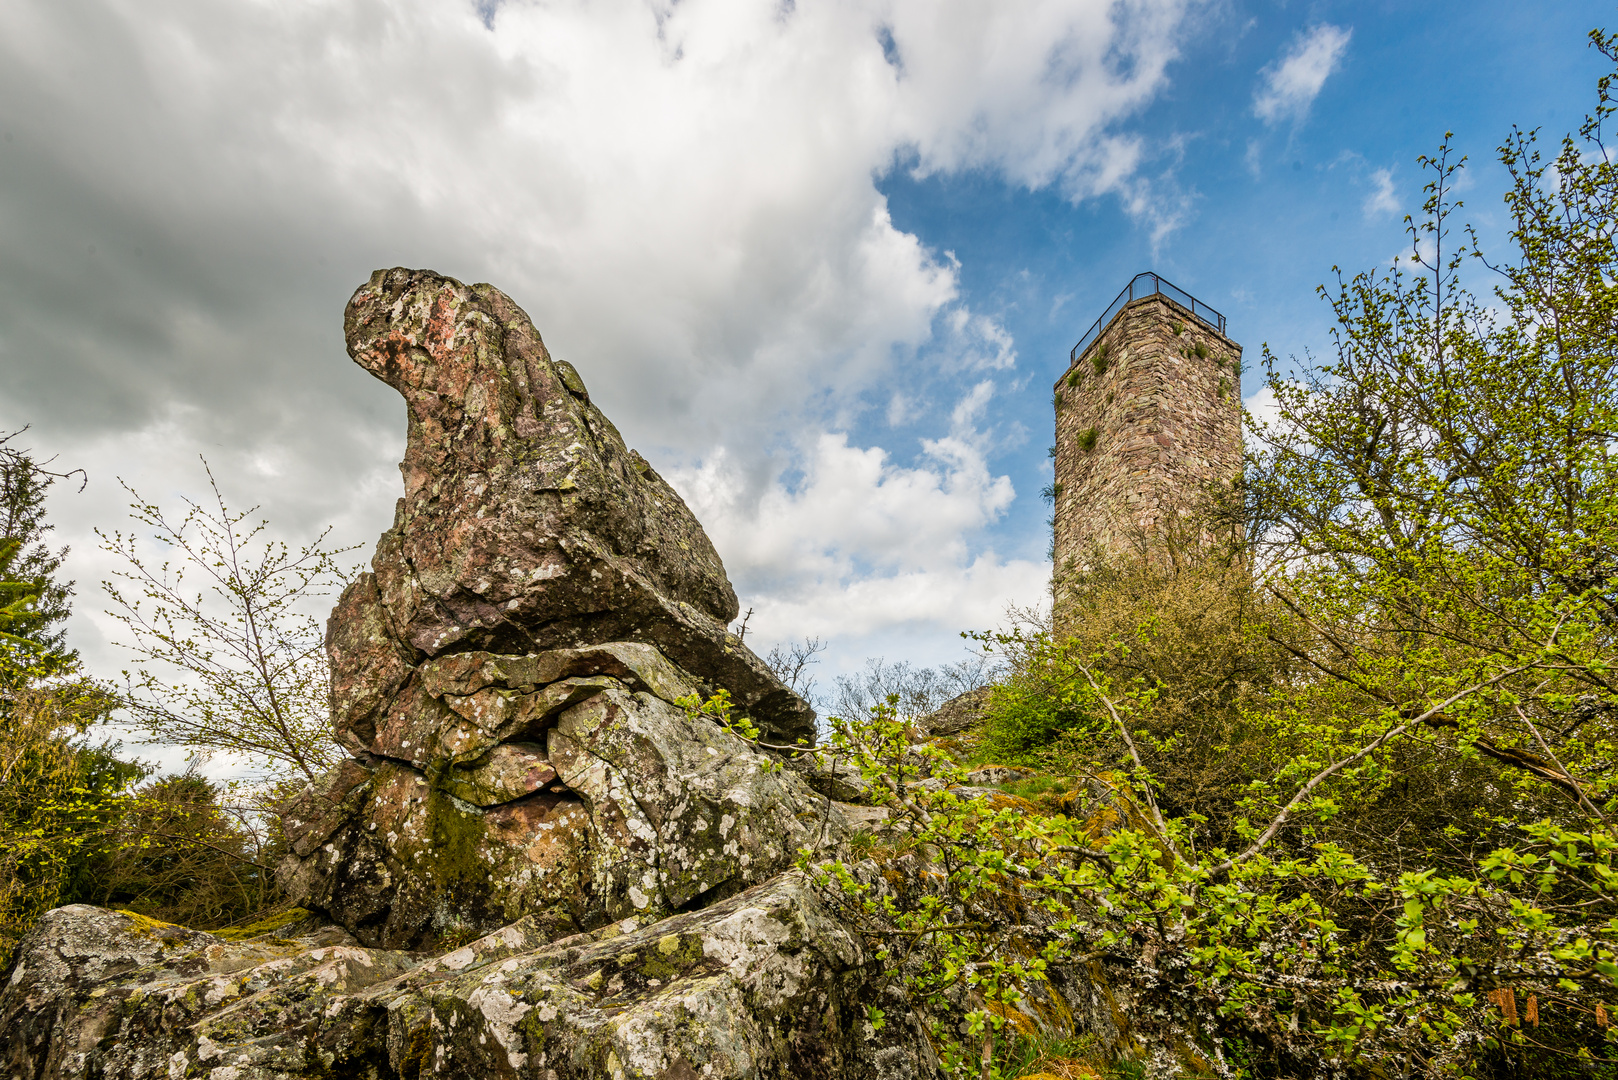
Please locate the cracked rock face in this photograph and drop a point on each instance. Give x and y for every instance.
(762, 985)
(526, 524)
(506, 676)
(572, 802)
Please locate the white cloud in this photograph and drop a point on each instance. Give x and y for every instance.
(1292, 83)
(1381, 200)
(859, 545)
(683, 195)
(1263, 407)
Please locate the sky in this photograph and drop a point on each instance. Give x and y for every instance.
(819, 261)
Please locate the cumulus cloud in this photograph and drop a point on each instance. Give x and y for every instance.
(1291, 84)
(684, 195)
(859, 544)
(1262, 406)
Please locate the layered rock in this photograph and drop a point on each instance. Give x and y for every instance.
(573, 802)
(762, 985)
(507, 676)
(526, 523)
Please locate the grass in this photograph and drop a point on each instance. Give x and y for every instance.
(1073, 1057)
(1036, 785)
(1070, 1058)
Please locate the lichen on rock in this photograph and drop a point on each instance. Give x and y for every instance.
(538, 862)
(763, 985)
(506, 674)
(526, 523)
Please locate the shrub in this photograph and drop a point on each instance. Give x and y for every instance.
(1024, 720)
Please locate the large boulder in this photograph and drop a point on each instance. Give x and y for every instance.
(512, 677)
(576, 801)
(762, 985)
(526, 524)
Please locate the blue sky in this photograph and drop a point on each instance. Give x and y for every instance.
(1269, 207)
(819, 261)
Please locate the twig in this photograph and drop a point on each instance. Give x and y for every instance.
(1325, 774)
(1129, 742)
(1577, 788)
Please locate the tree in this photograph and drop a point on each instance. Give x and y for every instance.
(237, 665)
(1441, 494)
(180, 852)
(56, 792)
(790, 662)
(57, 795)
(916, 691)
(32, 601)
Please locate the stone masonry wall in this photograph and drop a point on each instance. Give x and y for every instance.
(1146, 419)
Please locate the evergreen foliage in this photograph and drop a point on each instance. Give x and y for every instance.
(33, 603)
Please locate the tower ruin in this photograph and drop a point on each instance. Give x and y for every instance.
(1148, 421)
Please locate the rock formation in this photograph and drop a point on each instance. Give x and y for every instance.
(506, 675)
(526, 524)
(764, 984)
(603, 871)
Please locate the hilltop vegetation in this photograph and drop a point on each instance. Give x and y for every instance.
(1335, 795)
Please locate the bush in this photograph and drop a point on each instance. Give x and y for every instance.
(177, 854)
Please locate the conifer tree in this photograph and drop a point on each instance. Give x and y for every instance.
(33, 602)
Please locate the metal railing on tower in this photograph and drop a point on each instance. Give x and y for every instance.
(1140, 286)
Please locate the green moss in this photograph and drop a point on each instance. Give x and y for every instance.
(1073, 377)
(533, 1032)
(262, 926)
(450, 859)
(457, 836)
(1087, 439)
(674, 955)
(147, 926)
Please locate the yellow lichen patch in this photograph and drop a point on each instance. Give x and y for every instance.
(145, 924)
(1050, 1008)
(1002, 801)
(262, 926)
(1106, 819)
(1019, 1021)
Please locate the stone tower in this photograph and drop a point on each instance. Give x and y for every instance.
(1148, 419)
